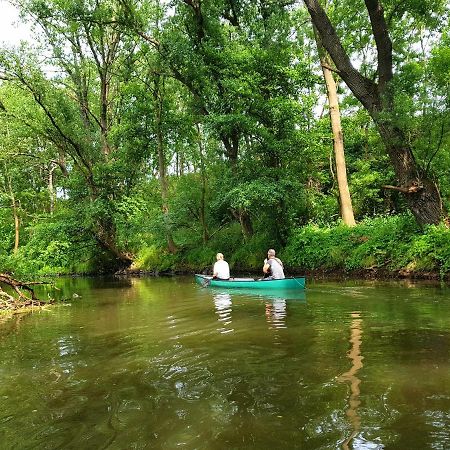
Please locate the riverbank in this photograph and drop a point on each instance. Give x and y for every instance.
(326, 275)
(392, 247)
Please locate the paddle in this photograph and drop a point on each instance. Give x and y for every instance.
(206, 282)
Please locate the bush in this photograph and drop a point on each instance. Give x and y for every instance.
(250, 255)
(154, 258)
(393, 243)
(431, 250)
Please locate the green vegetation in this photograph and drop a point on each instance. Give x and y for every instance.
(394, 244)
(138, 135)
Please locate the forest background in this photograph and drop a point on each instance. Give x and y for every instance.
(150, 135)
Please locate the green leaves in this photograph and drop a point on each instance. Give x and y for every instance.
(440, 61)
(255, 194)
(384, 243)
(231, 96)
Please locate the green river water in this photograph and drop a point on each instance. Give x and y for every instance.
(162, 363)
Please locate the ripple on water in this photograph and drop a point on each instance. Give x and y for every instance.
(178, 367)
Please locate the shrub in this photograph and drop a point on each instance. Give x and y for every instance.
(393, 243)
(250, 255)
(154, 258)
(431, 250)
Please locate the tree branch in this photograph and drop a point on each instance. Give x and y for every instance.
(364, 89)
(383, 42)
(415, 187)
(17, 286)
(331, 69)
(438, 147)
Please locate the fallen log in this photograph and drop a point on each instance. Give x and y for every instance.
(17, 287)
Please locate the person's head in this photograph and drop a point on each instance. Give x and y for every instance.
(219, 256)
(271, 253)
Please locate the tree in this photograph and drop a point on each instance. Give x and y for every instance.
(77, 108)
(24, 164)
(338, 137)
(378, 98)
(20, 300)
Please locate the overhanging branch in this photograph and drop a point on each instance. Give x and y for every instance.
(415, 187)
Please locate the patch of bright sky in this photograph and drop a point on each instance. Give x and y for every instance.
(12, 30)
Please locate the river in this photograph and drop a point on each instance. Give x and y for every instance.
(162, 363)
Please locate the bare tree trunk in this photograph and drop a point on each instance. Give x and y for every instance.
(421, 193)
(338, 140)
(15, 214)
(157, 94)
(205, 234)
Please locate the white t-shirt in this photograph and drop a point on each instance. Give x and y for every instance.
(222, 269)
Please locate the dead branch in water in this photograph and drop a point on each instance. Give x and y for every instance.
(19, 300)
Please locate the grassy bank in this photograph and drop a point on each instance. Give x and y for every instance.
(391, 246)
(386, 246)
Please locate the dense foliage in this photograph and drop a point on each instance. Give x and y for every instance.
(152, 135)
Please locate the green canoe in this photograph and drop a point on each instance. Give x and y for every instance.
(287, 283)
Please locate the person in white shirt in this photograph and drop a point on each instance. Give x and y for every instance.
(221, 268)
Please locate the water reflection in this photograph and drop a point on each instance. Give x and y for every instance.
(152, 371)
(276, 313)
(351, 377)
(275, 305)
(223, 305)
(286, 294)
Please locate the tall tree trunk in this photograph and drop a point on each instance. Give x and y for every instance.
(245, 222)
(51, 189)
(104, 125)
(205, 234)
(421, 193)
(338, 136)
(104, 52)
(15, 213)
(157, 95)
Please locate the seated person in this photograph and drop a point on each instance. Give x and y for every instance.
(221, 268)
(273, 267)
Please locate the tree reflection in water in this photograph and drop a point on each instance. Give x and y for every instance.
(351, 378)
